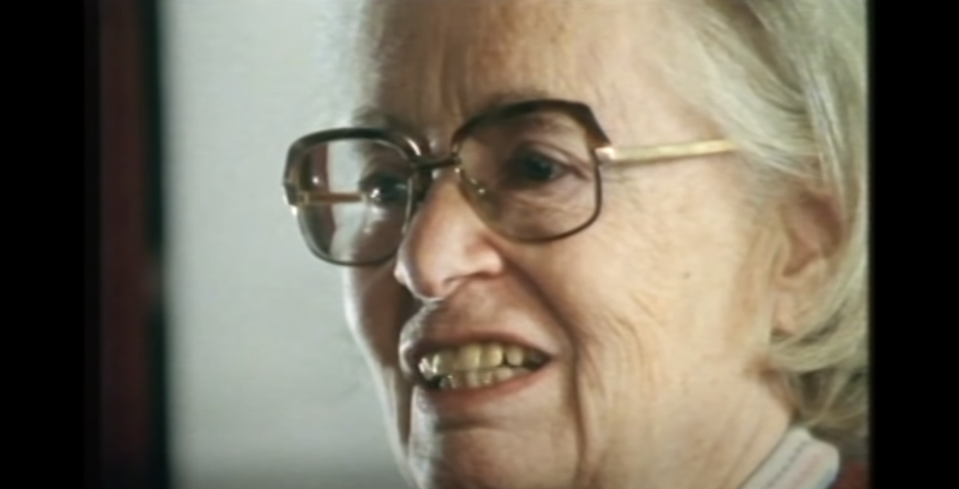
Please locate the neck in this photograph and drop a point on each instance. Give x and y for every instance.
(720, 455)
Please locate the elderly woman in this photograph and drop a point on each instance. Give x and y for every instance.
(606, 244)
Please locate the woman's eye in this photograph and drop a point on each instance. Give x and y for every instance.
(385, 189)
(537, 168)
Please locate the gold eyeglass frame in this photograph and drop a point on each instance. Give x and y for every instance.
(423, 165)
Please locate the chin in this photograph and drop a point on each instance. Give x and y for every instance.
(513, 434)
(478, 461)
(481, 457)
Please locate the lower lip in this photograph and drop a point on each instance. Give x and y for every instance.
(461, 399)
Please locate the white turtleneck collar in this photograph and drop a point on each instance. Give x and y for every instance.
(798, 462)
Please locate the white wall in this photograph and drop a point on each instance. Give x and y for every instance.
(267, 389)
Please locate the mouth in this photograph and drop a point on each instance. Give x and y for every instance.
(477, 365)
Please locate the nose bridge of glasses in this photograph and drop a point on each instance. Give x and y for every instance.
(425, 172)
(426, 176)
(430, 164)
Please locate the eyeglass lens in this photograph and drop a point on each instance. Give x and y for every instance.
(529, 176)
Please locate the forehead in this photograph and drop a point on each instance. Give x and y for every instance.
(438, 62)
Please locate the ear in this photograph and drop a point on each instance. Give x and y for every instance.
(812, 231)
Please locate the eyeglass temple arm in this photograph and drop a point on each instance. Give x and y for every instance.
(304, 198)
(608, 154)
(642, 154)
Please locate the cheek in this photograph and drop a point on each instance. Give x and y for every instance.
(376, 308)
(652, 289)
(604, 286)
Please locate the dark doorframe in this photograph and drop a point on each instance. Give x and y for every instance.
(132, 417)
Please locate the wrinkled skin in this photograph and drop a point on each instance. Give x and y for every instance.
(657, 317)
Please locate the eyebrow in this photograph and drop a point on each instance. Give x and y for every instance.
(500, 99)
(371, 116)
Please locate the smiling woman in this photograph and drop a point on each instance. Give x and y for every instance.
(651, 273)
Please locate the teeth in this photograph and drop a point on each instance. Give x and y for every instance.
(514, 355)
(503, 374)
(478, 364)
(450, 382)
(426, 366)
(443, 362)
(492, 355)
(481, 378)
(486, 377)
(468, 357)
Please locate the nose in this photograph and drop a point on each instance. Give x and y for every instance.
(447, 244)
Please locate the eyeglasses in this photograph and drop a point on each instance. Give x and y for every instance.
(530, 171)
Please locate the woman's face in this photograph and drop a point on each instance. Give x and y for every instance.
(653, 321)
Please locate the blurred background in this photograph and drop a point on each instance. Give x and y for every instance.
(223, 356)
